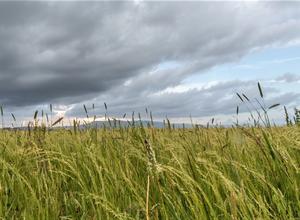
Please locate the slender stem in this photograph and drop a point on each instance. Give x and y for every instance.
(147, 198)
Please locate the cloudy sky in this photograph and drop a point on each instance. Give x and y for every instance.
(178, 59)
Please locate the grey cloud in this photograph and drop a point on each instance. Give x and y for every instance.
(75, 51)
(288, 78)
(216, 99)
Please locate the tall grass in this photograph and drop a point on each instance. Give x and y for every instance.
(199, 173)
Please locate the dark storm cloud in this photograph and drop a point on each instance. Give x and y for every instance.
(75, 51)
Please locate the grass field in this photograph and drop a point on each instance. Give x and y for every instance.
(150, 173)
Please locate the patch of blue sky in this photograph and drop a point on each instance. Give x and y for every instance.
(266, 64)
(168, 65)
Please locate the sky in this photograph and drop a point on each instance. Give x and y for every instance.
(180, 60)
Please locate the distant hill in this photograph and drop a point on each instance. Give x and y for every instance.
(145, 123)
(116, 124)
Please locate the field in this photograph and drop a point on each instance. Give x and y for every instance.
(151, 173)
